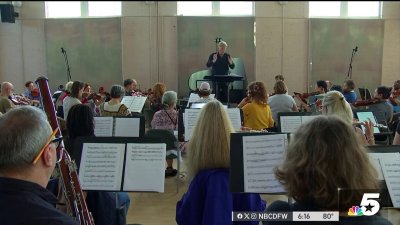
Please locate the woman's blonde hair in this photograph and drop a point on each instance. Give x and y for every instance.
(323, 157)
(336, 104)
(257, 92)
(209, 145)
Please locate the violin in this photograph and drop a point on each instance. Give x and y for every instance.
(19, 100)
(304, 96)
(366, 102)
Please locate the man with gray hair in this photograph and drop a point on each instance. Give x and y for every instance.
(28, 154)
(6, 92)
(220, 62)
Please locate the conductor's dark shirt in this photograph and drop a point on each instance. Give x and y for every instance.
(221, 66)
(23, 203)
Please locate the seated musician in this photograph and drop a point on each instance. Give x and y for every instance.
(334, 103)
(156, 95)
(31, 91)
(256, 111)
(380, 102)
(313, 173)
(395, 94)
(320, 89)
(167, 119)
(348, 91)
(114, 107)
(74, 98)
(5, 97)
(208, 199)
(281, 101)
(28, 156)
(102, 204)
(204, 92)
(130, 86)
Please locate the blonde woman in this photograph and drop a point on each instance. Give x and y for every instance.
(334, 103)
(208, 199)
(322, 158)
(256, 111)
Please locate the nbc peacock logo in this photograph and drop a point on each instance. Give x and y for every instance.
(355, 211)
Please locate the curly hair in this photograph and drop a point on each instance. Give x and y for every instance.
(257, 92)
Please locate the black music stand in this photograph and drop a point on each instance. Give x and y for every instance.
(223, 79)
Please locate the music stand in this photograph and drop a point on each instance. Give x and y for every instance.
(223, 79)
(364, 93)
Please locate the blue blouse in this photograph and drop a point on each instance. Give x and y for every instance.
(208, 201)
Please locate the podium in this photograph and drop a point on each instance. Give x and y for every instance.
(223, 79)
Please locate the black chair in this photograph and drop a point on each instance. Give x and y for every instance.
(173, 152)
(148, 117)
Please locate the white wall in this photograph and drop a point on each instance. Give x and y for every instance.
(150, 54)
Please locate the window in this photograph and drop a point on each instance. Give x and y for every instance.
(349, 9)
(104, 8)
(63, 9)
(82, 9)
(194, 8)
(215, 8)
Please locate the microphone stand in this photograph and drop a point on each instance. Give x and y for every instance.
(217, 40)
(349, 73)
(67, 64)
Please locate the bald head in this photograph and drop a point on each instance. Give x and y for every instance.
(6, 89)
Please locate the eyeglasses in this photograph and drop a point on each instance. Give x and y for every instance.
(57, 140)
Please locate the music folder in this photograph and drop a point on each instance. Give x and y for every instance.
(122, 164)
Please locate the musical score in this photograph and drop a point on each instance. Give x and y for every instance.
(261, 154)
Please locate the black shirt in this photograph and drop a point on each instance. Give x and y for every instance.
(24, 202)
(221, 66)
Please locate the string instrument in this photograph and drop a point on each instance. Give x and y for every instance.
(68, 173)
(304, 96)
(140, 93)
(366, 102)
(35, 93)
(19, 100)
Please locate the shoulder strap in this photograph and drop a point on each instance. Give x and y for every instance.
(174, 122)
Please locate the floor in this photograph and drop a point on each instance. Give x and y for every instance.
(159, 208)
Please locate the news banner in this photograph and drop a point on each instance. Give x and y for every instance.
(286, 216)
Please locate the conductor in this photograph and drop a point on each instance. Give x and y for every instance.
(220, 62)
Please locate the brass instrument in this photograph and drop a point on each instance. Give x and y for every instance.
(67, 168)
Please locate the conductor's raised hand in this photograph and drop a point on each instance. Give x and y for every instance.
(214, 57)
(230, 60)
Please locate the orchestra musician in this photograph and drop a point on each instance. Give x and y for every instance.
(28, 155)
(320, 90)
(5, 97)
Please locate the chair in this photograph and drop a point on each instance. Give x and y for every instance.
(148, 117)
(173, 152)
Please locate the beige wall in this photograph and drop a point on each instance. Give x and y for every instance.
(150, 54)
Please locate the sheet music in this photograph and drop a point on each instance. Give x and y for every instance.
(193, 97)
(289, 124)
(391, 172)
(103, 126)
(101, 166)
(305, 119)
(134, 103)
(261, 154)
(190, 119)
(234, 115)
(376, 159)
(145, 167)
(127, 127)
(364, 116)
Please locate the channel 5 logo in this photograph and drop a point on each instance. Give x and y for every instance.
(368, 206)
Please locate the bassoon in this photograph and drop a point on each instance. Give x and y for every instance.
(68, 174)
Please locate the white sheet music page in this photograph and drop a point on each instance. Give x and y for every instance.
(193, 97)
(145, 167)
(128, 100)
(234, 115)
(289, 124)
(376, 159)
(103, 126)
(127, 127)
(261, 154)
(101, 166)
(137, 104)
(306, 119)
(391, 172)
(190, 118)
